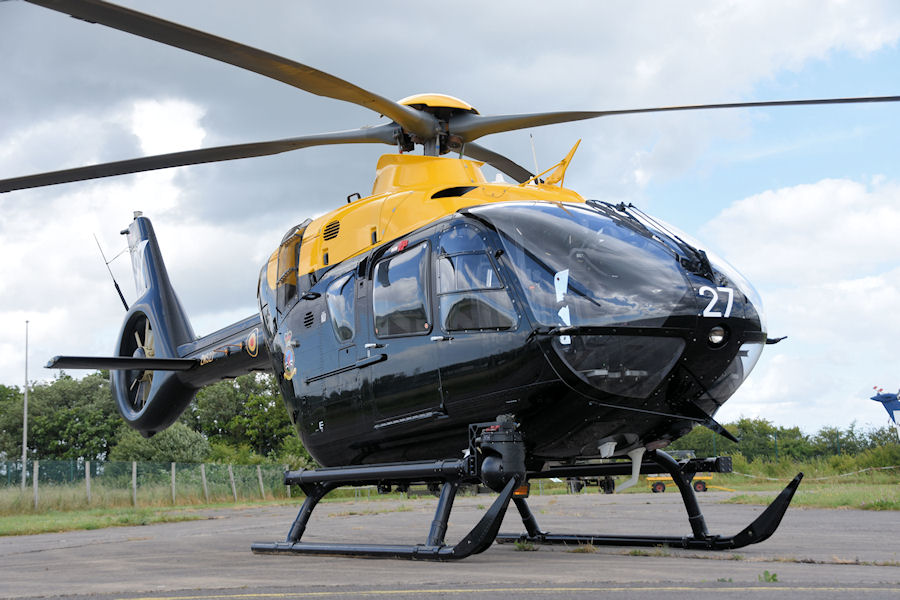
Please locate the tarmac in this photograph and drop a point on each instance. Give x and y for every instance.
(816, 553)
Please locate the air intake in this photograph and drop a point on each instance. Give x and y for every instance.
(331, 230)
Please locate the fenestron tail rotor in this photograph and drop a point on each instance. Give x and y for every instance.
(141, 381)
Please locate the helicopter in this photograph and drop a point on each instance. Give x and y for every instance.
(891, 403)
(446, 329)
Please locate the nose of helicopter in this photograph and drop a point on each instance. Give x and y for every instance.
(631, 309)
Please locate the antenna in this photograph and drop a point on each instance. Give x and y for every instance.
(106, 262)
(534, 154)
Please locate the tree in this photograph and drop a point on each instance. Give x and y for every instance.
(882, 436)
(10, 421)
(246, 411)
(178, 443)
(67, 419)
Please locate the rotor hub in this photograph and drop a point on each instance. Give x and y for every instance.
(435, 103)
(443, 107)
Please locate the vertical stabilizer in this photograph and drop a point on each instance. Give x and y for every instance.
(154, 327)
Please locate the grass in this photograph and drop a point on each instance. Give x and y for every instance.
(656, 551)
(525, 546)
(835, 495)
(65, 507)
(97, 518)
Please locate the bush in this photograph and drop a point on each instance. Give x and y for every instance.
(178, 443)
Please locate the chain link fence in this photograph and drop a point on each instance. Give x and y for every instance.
(67, 485)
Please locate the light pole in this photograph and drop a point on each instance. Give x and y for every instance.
(25, 414)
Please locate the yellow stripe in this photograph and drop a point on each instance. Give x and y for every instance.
(852, 590)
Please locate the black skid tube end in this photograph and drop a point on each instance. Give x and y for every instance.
(765, 524)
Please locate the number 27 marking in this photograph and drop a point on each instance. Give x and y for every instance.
(714, 292)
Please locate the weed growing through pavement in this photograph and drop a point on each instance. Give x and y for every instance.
(526, 547)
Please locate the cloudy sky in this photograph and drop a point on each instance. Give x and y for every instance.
(804, 201)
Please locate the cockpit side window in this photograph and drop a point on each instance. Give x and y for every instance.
(400, 293)
(464, 272)
(340, 299)
(471, 295)
(287, 272)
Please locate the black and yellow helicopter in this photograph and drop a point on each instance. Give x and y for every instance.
(446, 329)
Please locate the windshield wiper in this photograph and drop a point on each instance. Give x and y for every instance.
(693, 259)
(618, 212)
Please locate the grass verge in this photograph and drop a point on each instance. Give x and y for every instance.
(98, 518)
(817, 495)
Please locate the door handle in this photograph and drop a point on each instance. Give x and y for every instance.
(441, 338)
(370, 360)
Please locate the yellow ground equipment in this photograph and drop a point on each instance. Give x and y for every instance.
(658, 483)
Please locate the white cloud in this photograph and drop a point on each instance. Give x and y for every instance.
(827, 263)
(819, 232)
(167, 125)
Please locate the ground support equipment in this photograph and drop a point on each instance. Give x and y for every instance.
(760, 529)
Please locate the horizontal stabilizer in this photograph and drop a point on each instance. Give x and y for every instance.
(122, 363)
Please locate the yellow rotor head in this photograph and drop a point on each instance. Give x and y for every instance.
(437, 101)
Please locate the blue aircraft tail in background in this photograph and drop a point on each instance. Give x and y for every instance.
(891, 404)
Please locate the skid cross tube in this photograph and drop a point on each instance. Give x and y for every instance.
(759, 530)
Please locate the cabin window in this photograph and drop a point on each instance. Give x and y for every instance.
(340, 298)
(400, 294)
(470, 292)
(286, 283)
(463, 272)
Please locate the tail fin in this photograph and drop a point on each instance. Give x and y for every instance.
(154, 327)
(891, 403)
(158, 363)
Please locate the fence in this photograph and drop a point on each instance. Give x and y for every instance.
(64, 485)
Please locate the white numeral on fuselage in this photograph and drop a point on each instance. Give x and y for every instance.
(714, 292)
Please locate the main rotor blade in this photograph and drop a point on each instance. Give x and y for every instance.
(259, 61)
(383, 134)
(469, 126)
(519, 173)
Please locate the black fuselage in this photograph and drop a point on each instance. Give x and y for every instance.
(587, 324)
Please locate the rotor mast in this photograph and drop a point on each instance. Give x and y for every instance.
(442, 108)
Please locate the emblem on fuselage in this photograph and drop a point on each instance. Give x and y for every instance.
(252, 343)
(289, 369)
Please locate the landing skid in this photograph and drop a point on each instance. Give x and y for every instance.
(759, 530)
(496, 458)
(478, 539)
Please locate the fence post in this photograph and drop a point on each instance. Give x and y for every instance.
(35, 478)
(231, 477)
(287, 486)
(203, 478)
(173, 483)
(262, 490)
(134, 482)
(87, 479)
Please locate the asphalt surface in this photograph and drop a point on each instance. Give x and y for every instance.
(816, 553)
